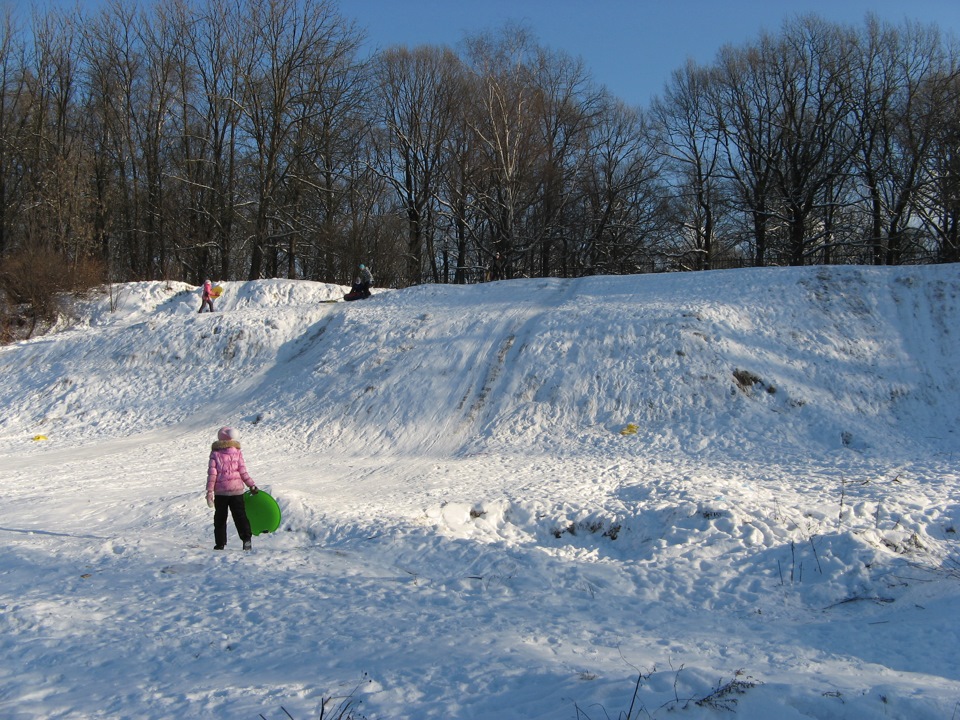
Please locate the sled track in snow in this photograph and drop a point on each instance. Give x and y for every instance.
(521, 324)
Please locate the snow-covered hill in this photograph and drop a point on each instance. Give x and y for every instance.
(513, 500)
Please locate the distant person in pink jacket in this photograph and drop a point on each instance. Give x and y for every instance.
(207, 296)
(227, 479)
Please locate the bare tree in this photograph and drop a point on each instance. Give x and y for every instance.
(568, 106)
(812, 127)
(206, 153)
(161, 39)
(340, 192)
(938, 202)
(247, 137)
(418, 103)
(15, 111)
(621, 199)
(461, 172)
(293, 45)
(116, 65)
(509, 145)
(901, 72)
(690, 139)
(745, 102)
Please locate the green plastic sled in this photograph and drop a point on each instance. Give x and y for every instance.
(262, 512)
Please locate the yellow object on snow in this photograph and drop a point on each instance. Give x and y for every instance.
(216, 291)
(39, 437)
(630, 429)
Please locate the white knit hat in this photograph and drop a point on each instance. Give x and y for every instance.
(227, 433)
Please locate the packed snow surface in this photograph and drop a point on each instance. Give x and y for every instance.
(724, 494)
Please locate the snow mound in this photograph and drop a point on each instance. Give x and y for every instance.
(692, 495)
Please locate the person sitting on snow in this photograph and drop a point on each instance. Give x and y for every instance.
(495, 271)
(361, 285)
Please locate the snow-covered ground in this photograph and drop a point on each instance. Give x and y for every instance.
(694, 495)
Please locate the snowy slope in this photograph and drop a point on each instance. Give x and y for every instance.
(467, 533)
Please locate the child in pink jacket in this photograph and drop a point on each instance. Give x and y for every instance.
(227, 479)
(207, 296)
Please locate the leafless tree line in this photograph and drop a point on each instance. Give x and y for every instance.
(250, 138)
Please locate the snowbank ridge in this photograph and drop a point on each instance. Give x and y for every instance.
(527, 499)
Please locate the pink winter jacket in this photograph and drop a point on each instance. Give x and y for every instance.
(227, 473)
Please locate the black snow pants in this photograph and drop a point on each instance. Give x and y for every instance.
(233, 503)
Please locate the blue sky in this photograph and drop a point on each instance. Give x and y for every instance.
(631, 46)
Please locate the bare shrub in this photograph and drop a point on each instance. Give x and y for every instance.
(31, 283)
(745, 379)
